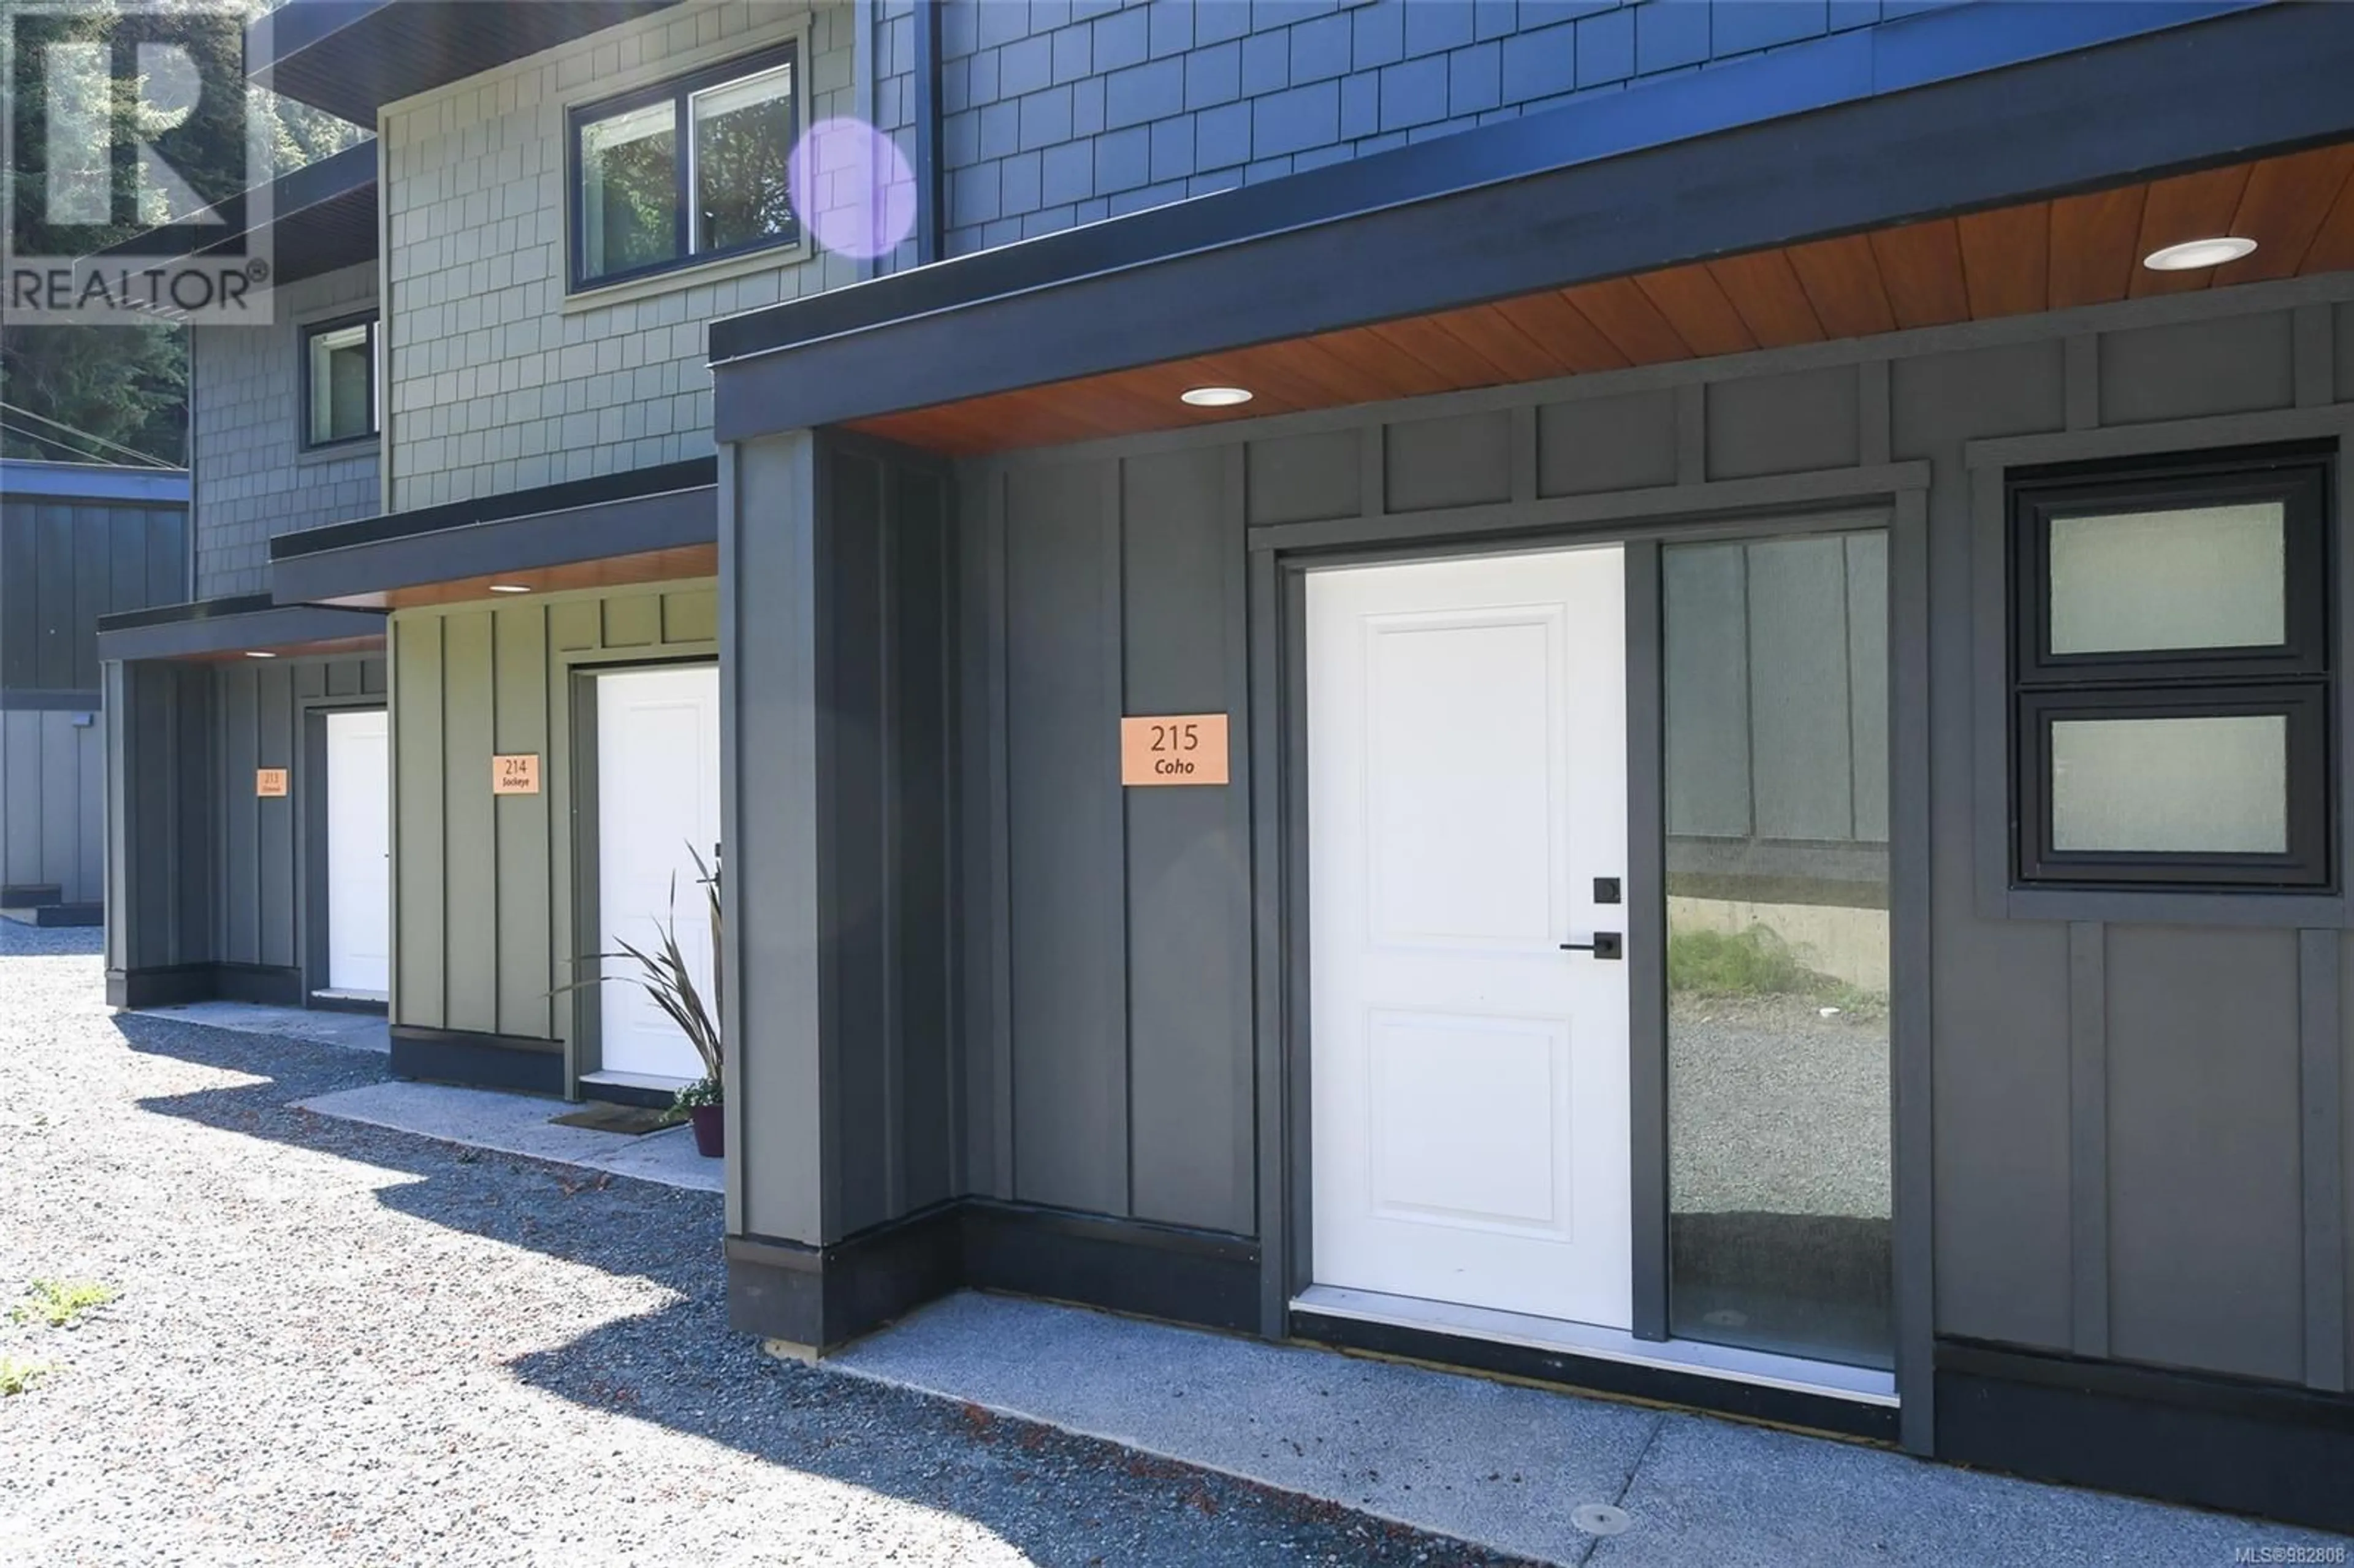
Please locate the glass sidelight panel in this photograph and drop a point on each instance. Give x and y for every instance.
(1777, 773)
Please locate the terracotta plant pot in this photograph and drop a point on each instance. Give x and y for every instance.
(710, 1134)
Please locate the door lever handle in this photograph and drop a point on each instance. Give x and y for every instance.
(1605, 945)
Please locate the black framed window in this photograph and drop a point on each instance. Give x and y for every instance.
(2172, 666)
(339, 381)
(689, 170)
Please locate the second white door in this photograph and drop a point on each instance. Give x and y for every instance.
(657, 795)
(1467, 784)
(359, 846)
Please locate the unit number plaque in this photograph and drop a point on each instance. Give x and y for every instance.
(515, 775)
(269, 783)
(1173, 748)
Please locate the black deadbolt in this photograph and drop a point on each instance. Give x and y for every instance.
(1605, 890)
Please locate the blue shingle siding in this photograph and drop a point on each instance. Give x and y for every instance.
(1269, 87)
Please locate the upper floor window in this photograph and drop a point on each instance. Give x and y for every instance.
(686, 171)
(2171, 663)
(339, 380)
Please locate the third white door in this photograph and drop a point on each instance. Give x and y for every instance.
(359, 843)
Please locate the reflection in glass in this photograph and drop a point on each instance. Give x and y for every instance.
(628, 190)
(2216, 785)
(342, 370)
(2195, 577)
(1776, 677)
(743, 142)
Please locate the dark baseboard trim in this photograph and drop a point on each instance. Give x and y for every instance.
(824, 1297)
(328, 1001)
(266, 985)
(478, 1061)
(55, 914)
(175, 985)
(27, 894)
(628, 1095)
(2241, 1447)
(1593, 1374)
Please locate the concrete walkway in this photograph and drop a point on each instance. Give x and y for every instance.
(1511, 1467)
(353, 1031)
(520, 1124)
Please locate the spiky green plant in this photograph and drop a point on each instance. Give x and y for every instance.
(664, 974)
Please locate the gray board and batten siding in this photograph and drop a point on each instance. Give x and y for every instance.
(2062, 1061)
(76, 541)
(239, 876)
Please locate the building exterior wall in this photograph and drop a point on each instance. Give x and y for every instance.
(495, 380)
(1109, 579)
(252, 478)
(210, 886)
(483, 890)
(64, 562)
(1066, 112)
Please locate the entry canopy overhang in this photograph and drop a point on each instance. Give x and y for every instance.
(350, 58)
(1864, 151)
(322, 217)
(233, 627)
(647, 525)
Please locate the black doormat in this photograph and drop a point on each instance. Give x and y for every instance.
(630, 1119)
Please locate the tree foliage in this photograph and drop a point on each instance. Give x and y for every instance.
(128, 386)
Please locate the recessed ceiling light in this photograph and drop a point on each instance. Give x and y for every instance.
(2193, 254)
(1215, 397)
(260, 653)
(510, 587)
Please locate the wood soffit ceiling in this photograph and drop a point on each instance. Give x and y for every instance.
(673, 565)
(2072, 250)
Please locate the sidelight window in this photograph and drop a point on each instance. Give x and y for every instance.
(2171, 672)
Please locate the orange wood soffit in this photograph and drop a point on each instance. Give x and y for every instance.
(2072, 250)
(613, 571)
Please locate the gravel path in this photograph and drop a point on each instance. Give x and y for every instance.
(337, 1343)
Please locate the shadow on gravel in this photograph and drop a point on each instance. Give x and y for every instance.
(1054, 1498)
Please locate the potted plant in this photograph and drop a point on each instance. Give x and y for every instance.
(664, 975)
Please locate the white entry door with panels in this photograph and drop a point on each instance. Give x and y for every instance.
(1467, 741)
(657, 808)
(359, 853)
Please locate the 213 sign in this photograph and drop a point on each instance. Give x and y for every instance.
(1173, 748)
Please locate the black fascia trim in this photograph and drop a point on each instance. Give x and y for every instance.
(668, 520)
(565, 496)
(342, 185)
(1596, 1374)
(2203, 1439)
(475, 1059)
(229, 626)
(1801, 144)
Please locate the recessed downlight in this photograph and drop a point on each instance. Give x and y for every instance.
(1215, 396)
(260, 653)
(2193, 254)
(510, 587)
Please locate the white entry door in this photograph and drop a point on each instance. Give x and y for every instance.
(657, 795)
(1467, 784)
(359, 851)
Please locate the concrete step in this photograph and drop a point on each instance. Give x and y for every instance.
(54, 913)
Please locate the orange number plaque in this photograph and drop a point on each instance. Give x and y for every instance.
(515, 775)
(1173, 748)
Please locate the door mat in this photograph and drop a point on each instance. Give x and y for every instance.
(630, 1119)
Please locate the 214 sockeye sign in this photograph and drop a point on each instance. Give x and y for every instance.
(1173, 748)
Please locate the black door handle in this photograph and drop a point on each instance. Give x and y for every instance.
(1605, 945)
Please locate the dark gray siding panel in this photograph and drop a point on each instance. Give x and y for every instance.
(1782, 424)
(1597, 444)
(1188, 855)
(1305, 479)
(63, 564)
(2192, 369)
(1939, 400)
(857, 618)
(922, 773)
(2206, 1238)
(1065, 850)
(1465, 461)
